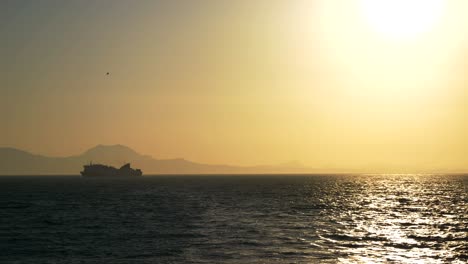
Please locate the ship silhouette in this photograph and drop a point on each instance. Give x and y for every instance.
(100, 170)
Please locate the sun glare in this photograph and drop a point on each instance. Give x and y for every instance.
(402, 19)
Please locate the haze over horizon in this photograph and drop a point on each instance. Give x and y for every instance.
(328, 83)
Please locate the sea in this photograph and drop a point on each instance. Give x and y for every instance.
(234, 219)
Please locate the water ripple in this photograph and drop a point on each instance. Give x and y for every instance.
(227, 219)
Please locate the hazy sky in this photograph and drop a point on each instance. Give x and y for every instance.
(329, 83)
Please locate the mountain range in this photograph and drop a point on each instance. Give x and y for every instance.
(18, 162)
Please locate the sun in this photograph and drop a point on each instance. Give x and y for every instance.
(402, 19)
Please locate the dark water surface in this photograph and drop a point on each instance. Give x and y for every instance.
(235, 219)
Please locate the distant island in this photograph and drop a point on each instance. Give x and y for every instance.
(18, 162)
(99, 170)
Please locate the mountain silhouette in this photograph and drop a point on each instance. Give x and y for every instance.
(19, 162)
(112, 154)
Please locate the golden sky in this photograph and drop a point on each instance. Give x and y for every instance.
(364, 84)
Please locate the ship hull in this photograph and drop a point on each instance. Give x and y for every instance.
(103, 171)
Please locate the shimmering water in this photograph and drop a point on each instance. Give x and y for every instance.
(235, 219)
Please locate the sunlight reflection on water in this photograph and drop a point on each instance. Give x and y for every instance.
(405, 219)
